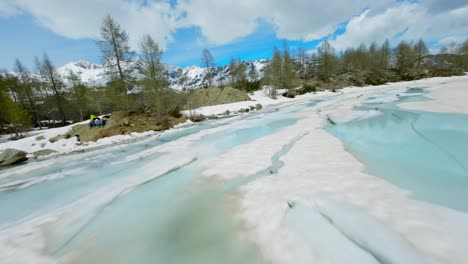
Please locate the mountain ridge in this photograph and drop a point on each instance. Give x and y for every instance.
(190, 77)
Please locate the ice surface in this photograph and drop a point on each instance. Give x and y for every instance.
(386, 245)
(324, 238)
(148, 200)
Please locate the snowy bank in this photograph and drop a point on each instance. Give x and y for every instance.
(449, 95)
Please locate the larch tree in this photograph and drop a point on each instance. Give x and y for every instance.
(328, 62)
(288, 76)
(154, 80)
(405, 56)
(373, 56)
(232, 71)
(25, 80)
(385, 55)
(11, 112)
(237, 73)
(80, 94)
(115, 49)
(54, 83)
(421, 51)
(462, 51)
(17, 117)
(208, 62)
(302, 58)
(273, 73)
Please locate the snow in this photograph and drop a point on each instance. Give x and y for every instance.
(27, 240)
(449, 95)
(318, 164)
(257, 97)
(370, 234)
(190, 77)
(324, 238)
(31, 144)
(340, 209)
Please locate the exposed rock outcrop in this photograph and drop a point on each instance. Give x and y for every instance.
(123, 122)
(217, 96)
(43, 152)
(12, 156)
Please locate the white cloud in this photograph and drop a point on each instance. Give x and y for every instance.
(7, 9)
(224, 21)
(82, 19)
(406, 21)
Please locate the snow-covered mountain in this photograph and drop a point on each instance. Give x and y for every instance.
(179, 78)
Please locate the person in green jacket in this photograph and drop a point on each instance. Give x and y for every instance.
(95, 121)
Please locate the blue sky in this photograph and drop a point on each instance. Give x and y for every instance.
(27, 39)
(244, 29)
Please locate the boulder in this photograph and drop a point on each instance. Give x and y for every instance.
(12, 156)
(43, 152)
(258, 106)
(59, 137)
(39, 138)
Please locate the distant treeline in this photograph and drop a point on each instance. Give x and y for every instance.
(360, 66)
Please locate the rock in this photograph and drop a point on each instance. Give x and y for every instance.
(43, 152)
(252, 108)
(258, 106)
(176, 121)
(109, 132)
(59, 137)
(197, 118)
(125, 121)
(227, 112)
(175, 112)
(39, 138)
(122, 123)
(243, 110)
(12, 156)
(216, 96)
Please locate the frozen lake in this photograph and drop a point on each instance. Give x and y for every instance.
(178, 197)
(424, 152)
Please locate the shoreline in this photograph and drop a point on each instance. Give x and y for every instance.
(71, 145)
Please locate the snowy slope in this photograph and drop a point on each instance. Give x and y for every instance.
(179, 78)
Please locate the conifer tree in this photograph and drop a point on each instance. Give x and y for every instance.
(208, 62)
(154, 80)
(328, 61)
(54, 83)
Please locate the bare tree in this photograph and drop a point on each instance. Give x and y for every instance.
(421, 51)
(302, 57)
(24, 78)
(208, 62)
(53, 82)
